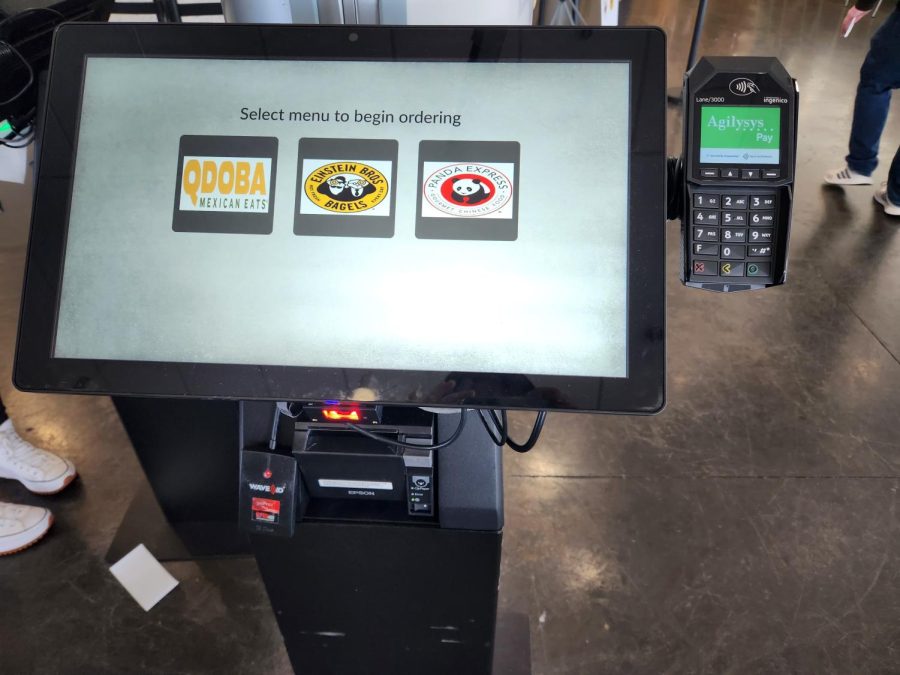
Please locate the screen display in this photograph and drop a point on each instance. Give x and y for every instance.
(740, 135)
(388, 215)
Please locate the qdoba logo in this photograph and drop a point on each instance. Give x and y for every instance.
(225, 184)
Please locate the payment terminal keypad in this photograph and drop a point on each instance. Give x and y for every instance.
(732, 234)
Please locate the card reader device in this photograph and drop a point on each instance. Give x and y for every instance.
(740, 142)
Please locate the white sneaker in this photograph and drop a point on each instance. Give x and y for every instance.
(22, 526)
(881, 197)
(847, 176)
(40, 471)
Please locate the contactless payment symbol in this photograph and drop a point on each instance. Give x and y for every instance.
(469, 190)
(225, 184)
(345, 187)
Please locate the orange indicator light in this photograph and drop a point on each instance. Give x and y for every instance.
(338, 416)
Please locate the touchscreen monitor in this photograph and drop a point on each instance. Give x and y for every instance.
(437, 215)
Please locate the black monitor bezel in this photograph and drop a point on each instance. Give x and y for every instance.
(642, 391)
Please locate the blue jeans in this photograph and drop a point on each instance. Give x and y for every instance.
(880, 74)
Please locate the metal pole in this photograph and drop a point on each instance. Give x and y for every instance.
(167, 11)
(674, 94)
(698, 29)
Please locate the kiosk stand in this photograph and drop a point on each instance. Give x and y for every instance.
(363, 586)
(314, 240)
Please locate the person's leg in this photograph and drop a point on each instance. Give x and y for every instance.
(879, 74)
(893, 184)
(20, 526)
(40, 471)
(888, 195)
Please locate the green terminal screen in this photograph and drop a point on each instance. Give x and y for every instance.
(5, 128)
(740, 135)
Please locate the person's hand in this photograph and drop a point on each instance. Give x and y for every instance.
(853, 16)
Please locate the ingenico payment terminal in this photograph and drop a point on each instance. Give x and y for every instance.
(740, 141)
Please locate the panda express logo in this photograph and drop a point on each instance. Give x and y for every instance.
(346, 187)
(225, 184)
(468, 190)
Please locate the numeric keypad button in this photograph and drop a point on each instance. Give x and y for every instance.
(762, 218)
(732, 252)
(706, 217)
(761, 235)
(706, 234)
(734, 217)
(734, 236)
(734, 201)
(762, 201)
(706, 201)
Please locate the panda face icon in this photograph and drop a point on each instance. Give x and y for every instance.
(470, 191)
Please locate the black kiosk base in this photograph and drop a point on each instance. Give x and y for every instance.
(365, 585)
(361, 586)
(365, 598)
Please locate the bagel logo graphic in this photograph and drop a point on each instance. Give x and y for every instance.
(743, 86)
(225, 184)
(469, 190)
(345, 187)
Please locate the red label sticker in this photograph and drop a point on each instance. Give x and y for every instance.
(266, 505)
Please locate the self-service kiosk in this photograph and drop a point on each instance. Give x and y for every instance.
(372, 242)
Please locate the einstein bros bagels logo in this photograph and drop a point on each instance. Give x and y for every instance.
(346, 187)
(468, 190)
(225, 184)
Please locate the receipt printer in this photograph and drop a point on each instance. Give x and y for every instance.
(338, 463)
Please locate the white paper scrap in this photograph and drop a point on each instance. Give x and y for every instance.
(143, 577)
(13, 164)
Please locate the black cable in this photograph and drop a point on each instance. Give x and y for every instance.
(674, 188)
(495, 438)
(33, 10)
(20, 141)
(533, 438)
(415, 446)
(500, 432)
(7, 50)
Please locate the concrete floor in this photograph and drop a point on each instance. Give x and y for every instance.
(750, 528)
